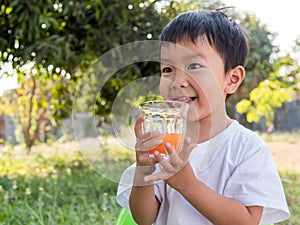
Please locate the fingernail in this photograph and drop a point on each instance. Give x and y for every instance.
(146, 179)
(168, 145)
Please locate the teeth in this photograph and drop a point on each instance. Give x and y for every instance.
(182, 99)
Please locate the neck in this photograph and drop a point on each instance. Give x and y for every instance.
(207, 128)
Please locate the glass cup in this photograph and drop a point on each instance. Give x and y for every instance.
(169, 118)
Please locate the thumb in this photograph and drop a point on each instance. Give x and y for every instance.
(187, 148)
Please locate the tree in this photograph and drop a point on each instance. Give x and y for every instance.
(37, 105)
(271, 93)
(295, 64)
(70, 35)
(67, 36)
(259, 61)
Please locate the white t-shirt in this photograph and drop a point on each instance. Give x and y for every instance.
(237, 164)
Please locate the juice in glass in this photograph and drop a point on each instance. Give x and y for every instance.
(174, 139)
(169, 118)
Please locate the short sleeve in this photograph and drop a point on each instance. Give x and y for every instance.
(125, 186)
(256, 181)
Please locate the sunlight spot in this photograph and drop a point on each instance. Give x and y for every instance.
(27, 191)
(15, 186)
(130, 6)
(149, 36)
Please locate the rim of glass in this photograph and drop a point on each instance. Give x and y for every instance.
(159, 103)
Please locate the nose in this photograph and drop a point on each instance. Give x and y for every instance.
(180, 79)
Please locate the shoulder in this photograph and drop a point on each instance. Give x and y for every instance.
(242, 144)
(235, 145)
(239, 135)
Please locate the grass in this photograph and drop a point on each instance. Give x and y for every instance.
(289, 137)
(55, 189)
(291, 184)
(52, 186)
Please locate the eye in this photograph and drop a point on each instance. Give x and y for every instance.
(194, 66)
(167, 70)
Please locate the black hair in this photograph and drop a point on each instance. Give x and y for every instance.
(223, 34)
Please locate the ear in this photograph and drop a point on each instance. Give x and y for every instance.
(234, 79)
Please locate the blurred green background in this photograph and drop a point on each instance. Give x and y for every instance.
(48, 48)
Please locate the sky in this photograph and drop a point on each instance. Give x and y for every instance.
(281, 17)
(7, 82)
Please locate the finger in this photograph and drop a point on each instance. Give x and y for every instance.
(150, 135)
(138, 130)
(155, 177)
(148, 140)
(170, 148)
(159, 157)
(146, 145)
(163, 162)
(187, 148)
(175, 159)
(146, 160)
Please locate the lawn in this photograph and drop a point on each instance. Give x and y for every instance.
(55, 185)
(54, 189)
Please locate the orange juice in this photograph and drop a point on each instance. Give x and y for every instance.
(174, 139)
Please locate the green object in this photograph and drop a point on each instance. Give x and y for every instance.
(125, 218)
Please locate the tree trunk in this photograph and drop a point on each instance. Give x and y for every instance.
(30, 138)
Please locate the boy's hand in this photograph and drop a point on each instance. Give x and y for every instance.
(145, 164)
(176, 169)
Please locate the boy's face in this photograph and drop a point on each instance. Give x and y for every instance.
(194, 73)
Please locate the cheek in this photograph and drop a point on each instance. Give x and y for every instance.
(209, 87)
(164, 87)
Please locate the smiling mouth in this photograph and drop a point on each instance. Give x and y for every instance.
(184, 99)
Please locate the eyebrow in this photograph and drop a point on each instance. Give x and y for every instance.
(194, 56)
(165, 60)
(185, 58)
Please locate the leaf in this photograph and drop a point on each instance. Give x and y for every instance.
(15, 3)
(243, 106)
(252, 116)
(21, 91)
(8, 10)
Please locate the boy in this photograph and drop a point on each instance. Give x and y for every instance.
(229, 176)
